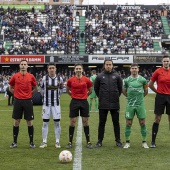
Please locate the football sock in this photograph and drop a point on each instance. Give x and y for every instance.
(86, 131)
(71, 133)
(127, 133)
(31, 133)
(96, 105)
(15, 133)
(45, 131)
(90, 105)
(57, 130)
(154, 131)
(9, 98)
(143, 132)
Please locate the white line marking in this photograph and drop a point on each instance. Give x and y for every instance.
(78, 146)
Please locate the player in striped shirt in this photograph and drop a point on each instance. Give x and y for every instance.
(52, 86)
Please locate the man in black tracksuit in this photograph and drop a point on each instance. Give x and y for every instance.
(108, 88)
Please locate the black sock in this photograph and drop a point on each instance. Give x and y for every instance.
(9, 97)
(86, 131)
(71, 133)
(31, 133)
(154, 131)
(15, 133)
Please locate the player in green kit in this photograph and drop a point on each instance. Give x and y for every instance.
(135, 88)
(93, 94)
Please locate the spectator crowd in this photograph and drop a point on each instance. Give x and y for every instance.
(107, 31)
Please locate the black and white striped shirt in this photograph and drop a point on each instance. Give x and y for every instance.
(52, 90)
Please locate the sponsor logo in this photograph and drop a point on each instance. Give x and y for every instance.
(67, 59)
(128, 7)
(115, 58)
(111, 58)
(17, 59)
(144, 59)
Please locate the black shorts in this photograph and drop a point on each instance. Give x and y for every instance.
(76, 106)
(23, 106)
(162, 101)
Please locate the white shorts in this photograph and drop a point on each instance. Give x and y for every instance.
(47, 111)
(5, 87)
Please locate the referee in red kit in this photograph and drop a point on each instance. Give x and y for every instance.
(79, 87)
(23, 86)
(162, 100)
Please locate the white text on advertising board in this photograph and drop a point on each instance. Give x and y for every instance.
(28, 59)
(112, 58)
(128, 7)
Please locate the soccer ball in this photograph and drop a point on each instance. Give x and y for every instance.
(65, 156)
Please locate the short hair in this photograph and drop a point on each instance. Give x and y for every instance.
(165, 56)
(51, 64)
(23, 60)
(78, 64)
(93, 71)
(134, 65)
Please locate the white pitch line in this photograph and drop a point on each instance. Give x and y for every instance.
(78, 147)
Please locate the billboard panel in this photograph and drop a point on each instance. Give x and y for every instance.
(118, 59)
(15, 59)
(64, 59)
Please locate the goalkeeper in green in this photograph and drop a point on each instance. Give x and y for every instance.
(93, 94)
(135, 88)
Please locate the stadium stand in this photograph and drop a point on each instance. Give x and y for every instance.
(123, 31)
(46, 32)
(59, 30)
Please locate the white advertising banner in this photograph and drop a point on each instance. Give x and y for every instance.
(119, 59)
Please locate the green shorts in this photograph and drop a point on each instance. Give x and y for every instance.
(93, 95)
(140, 111)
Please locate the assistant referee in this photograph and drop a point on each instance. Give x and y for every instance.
(23, 86)
(162, 100)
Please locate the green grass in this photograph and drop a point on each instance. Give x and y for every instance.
(107, 157)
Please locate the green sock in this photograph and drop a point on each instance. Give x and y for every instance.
(90, 105)
(143, 132)
(96, 105)
(127, 133)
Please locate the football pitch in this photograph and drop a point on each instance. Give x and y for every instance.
(107, 157)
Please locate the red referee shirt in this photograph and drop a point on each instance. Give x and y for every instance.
(162, 77)
(23, 85)
(79, 87)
